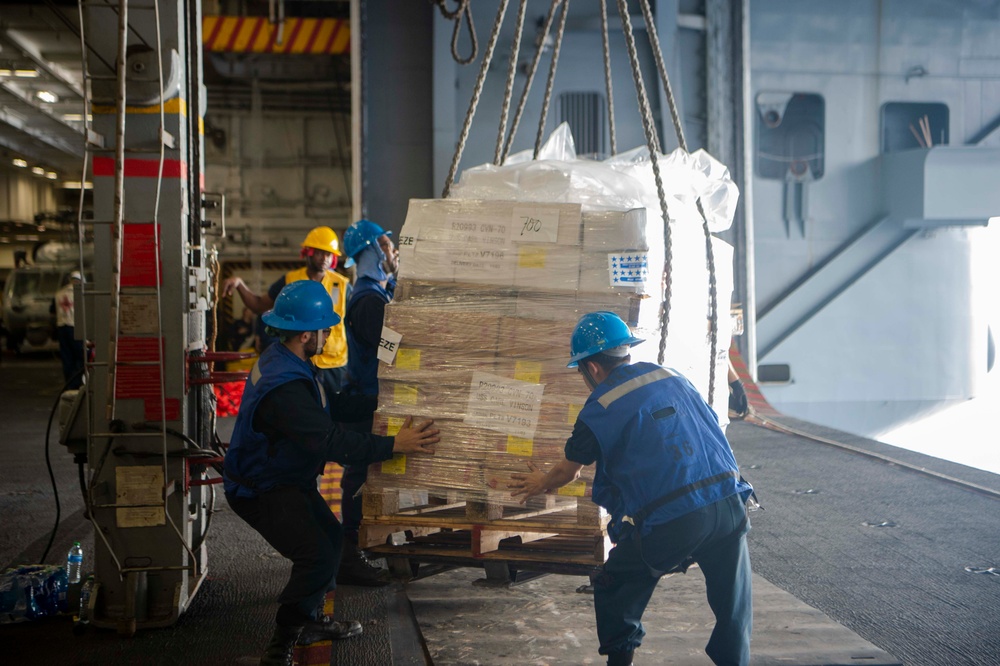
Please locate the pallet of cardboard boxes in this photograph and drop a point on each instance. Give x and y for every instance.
(488, 295)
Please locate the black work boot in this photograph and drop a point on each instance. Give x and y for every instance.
(355, 569)
(328, 630)
(279, 651)
(620, 658)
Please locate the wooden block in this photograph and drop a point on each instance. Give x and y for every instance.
(377, 535)
(486, 541)
(602, 547)
(588, 513)
(483, 510)
(379, 503)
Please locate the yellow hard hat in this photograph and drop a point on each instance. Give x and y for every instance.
(323, 238)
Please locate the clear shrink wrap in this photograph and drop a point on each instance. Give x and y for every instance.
(491, 284)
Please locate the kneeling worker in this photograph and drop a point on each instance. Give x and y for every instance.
(284, 434)
(667, 476)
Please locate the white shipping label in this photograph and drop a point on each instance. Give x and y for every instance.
(626, 269)
(140, 486)
(389, 345)
(460, 230)
(504, 405)
(535, 225)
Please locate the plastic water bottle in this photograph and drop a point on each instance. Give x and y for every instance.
(81, 621)
(74, 562)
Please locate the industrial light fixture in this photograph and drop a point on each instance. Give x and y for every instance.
(51, 175)
(76, 117)
(6, 72)
(38, 171)
(18, 162)
(76, 185)
(47, 96)
(26, 73)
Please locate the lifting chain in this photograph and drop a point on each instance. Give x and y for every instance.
(651, 144)
(607, 75)
(529, 79)
(462, 10)
(474, 102)
(551, 79)
(713, 293)
(503, 144)
(498, 154)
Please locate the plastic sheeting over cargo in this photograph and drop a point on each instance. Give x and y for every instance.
(492, 282)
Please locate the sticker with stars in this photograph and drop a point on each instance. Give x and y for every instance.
(628, 269)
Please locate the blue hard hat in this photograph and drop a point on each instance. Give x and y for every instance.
(598, 332)
(360, 235)
(303, 305)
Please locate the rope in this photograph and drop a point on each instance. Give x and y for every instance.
(607, 75)
(451, 14)
(650, 130)
(713, 302)
(483, 68)
(215, 270)
(515, 47)
(529, 80)
(552, 76)
(713, 292)
(654, 42)
(462, 8)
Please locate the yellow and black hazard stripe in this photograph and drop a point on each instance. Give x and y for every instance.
(256, 34)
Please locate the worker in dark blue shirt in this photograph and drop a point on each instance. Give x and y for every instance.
(370, 249)
(668, 477)
(285, 432)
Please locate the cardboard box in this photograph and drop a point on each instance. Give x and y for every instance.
(444, 328)
(558, 380)
(613, 230)
(622, 271)
(558, 307)
(431, 398)
(478, 241)
(547, 267)
(455, 297)
(446, 366)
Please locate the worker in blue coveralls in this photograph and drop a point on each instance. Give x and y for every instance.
(285, 432)
(667, 476)
(370, 248)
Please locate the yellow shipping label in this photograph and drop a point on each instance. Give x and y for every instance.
(408, 359)
(520, 446)
(528, 371)
(395, 466)
(572, 412)
(395, 423)
(531, 257)
(405, 394)
(572, 489)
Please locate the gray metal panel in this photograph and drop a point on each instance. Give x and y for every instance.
(854, 349)
(398, 136)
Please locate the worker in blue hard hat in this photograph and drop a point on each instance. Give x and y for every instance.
(320, 250)
(364, 234)
(668, 477)
(369, 248)
(285, 432)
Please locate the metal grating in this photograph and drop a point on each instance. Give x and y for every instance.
(585, 113)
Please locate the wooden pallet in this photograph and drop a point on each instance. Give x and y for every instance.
(551, 534)
(448, 549)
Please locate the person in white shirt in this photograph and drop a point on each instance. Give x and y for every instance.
(70, 349)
